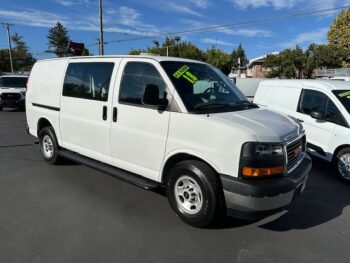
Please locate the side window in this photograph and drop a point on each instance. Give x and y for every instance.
(312, 100)
(334, 115)
(88, 80)
(1, 82)
(137, 75)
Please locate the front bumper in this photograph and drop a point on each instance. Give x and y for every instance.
(254, 198)
(13, 103)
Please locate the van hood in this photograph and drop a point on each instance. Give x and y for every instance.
(268, 126)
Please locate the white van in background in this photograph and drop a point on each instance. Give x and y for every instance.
(323, 107)
(170, 122)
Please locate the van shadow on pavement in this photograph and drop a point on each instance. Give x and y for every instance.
(325, 197)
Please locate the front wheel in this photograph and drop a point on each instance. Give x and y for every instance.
(48, 145)
(342, 163)
(194, 192)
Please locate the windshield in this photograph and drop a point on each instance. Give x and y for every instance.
(13, 82)
(344, 97)
(204, 88)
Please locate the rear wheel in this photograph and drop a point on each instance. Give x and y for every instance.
(1, 108)
(342, 163)
(48, 145)
(194, 192)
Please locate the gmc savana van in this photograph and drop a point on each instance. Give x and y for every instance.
(323, 107)
(176, 123)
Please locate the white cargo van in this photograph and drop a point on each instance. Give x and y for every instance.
(323, 107)
(168, 122)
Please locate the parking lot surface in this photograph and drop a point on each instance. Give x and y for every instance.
(72, 213)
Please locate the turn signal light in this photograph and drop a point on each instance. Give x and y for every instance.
(256, 172)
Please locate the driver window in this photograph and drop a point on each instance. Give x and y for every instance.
(137, 75)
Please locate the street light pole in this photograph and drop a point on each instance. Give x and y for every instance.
(101, 48)
(7, 25)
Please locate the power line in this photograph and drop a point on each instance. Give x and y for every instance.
(227, 26)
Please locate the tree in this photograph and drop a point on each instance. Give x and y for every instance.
(219, 59)
(289, 63)
(22, 59)
(239, 52)
(176, 48)
(58, 40)
(339, 35)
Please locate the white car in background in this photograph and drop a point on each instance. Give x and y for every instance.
(323, 107)
(12, 91)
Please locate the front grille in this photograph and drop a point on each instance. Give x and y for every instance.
(295, 152)
(10, 96)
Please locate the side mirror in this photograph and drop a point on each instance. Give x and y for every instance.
(318, 115)
(151, 97)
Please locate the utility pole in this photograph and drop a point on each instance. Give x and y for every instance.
(7, 25)
(101, 48)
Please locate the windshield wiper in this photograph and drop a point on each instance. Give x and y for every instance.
(248, 103)
(214, 105)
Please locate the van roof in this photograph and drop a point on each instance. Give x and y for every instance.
(150, 56)
(321, 84)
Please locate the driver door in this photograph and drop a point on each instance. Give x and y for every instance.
(139, 132)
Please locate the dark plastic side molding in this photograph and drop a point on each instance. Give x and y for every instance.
(111, 170)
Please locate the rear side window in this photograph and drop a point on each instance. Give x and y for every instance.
(88, 80)
(137, 75)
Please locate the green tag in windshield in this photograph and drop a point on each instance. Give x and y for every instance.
(190, 77)
(345, 94)
(181, 71)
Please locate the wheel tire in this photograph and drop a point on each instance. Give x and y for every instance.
(1, 108)
(204, 213)
(343, 156)
(48, 145)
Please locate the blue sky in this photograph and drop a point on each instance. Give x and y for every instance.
(134, 18)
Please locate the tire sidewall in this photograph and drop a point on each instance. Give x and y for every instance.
(49, 131)
(206, 214)
(336, 160)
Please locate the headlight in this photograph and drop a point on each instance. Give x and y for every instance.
(262, 159)
(255, 149)
(269, 150)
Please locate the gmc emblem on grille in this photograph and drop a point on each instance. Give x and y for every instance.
(298, 151)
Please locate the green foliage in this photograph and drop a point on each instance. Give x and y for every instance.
(219, 59)
(294, 63)
(289, 63)
(186, 49)
(22, 59)
(86, 52)
(339, 35)
(239, 52)
(58, 40)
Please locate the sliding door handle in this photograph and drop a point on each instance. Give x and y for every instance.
(115, 113)
(104, 113)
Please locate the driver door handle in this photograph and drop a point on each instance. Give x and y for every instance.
(104, 113)
(115, 114)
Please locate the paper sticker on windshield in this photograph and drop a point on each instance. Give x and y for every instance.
(345, 94)
(181, 71)
(190, 77)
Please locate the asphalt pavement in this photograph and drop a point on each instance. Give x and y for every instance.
(72, 213)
